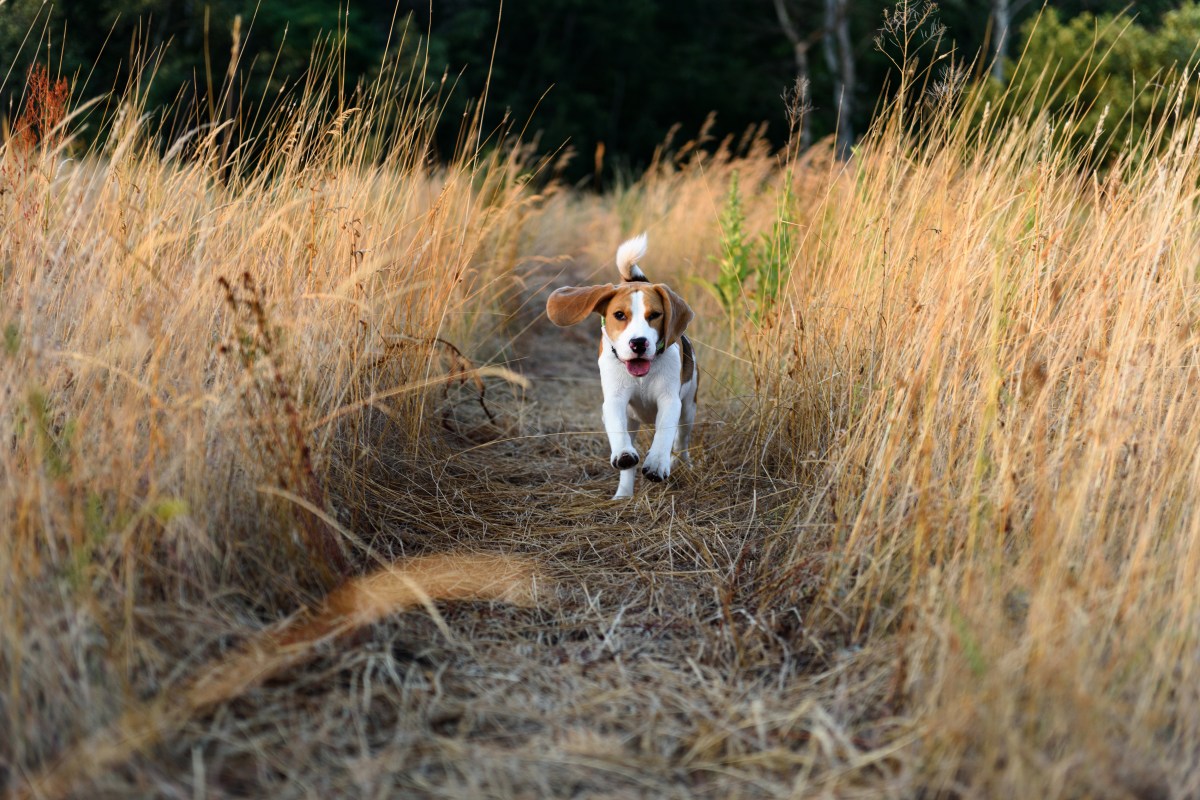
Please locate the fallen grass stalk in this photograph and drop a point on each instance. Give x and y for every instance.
(356, 604)
(505, 374)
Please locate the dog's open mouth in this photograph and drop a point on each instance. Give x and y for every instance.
(638, 366)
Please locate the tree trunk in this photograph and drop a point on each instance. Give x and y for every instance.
(798, 103)
(1001, 25)
(801, 101)
(839, 55)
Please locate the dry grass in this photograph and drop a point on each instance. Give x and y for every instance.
(987, 370)
(356, 603)
(940, 540)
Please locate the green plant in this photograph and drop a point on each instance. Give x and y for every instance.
(774, 254)
(752, 272)
(1115, 78)
(734, 261)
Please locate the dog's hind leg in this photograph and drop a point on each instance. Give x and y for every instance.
(683, 437)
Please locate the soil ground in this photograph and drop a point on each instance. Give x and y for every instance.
(644, 669)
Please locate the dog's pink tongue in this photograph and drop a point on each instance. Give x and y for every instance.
(638, 367)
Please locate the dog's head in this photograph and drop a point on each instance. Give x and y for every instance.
(640, 319)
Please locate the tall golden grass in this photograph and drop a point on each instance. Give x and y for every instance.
(971, 413)
(986, 371)
(201, 348)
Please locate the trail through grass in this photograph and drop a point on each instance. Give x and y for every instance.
(940, 538)
(640, 670)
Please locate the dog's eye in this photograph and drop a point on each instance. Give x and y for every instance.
(653, 315)
(620, 316)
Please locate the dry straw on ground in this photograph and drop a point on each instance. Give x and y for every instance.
(353, 605)
(940, 540)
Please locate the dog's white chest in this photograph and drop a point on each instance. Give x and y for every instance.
(643, 394)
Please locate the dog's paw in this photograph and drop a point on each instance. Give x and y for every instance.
(626, 460)
(657, 468)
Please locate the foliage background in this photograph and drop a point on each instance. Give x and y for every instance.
(622, 74)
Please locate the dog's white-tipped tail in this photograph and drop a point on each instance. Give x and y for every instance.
(628, 254)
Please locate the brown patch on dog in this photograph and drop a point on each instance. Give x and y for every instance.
(676, 314)
(689, 361)
(619, 313)
(571, 305)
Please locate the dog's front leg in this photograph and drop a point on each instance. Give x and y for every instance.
(616, 425)
(623, 455)
(666, 424)
(625, 485)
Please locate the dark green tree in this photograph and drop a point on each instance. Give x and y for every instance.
(607, 81)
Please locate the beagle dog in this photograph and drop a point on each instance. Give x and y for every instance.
(647, 366)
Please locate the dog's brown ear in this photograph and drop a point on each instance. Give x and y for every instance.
(570, 305)
(676, 313)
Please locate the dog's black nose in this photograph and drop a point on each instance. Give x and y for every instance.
(639, 345)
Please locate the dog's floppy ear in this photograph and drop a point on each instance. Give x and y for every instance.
(676, 314)
(570, 305)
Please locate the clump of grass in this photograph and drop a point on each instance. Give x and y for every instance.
(281, 432)
(175, 436)
(986, 378)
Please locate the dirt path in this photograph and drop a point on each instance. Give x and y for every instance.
(646, 670)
